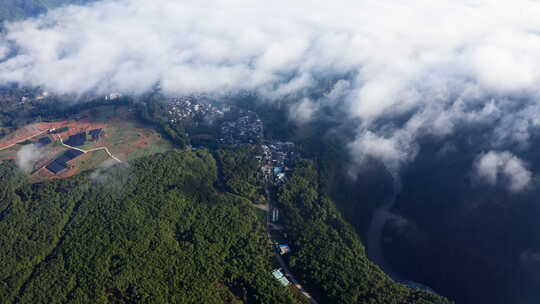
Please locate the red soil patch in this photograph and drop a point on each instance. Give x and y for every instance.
(75, 126)
(140, 143)
(72, 169)
(22, 133)
(43, 174)
(83, 122)
(46, 159)
(8, 154)
(78, 126)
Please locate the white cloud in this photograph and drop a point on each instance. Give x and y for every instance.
(111, 174)
(303, 111)
(393, 151)
(4, 51)
(494, 166)
(28, 155)
(442, 64)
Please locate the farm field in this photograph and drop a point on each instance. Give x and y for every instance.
(123, 135)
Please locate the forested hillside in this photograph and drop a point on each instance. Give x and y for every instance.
(154, 232)
(11, 10)
(327, 253)
(239, 168)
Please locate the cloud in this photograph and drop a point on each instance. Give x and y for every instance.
(4, 51)
(112, 175)
(401, 69)
(303, 111)
(493, 166)
(110, 172)
(28, 155)
(393, 151)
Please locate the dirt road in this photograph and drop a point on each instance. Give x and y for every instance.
(23, 139)
(91, 150)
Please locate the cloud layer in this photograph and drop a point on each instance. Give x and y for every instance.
(435, 65)
(494, 166)
(28, 155)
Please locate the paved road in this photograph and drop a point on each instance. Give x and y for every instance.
(281, 262)
(293, 280)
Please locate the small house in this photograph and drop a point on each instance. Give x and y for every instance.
(284, 249)
(280, 277)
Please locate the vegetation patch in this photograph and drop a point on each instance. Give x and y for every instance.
(157, 232)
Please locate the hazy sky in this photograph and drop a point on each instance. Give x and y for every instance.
(442, 64)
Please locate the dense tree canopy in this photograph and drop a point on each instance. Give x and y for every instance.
(154, 232)
(154, 111)
(239, 168)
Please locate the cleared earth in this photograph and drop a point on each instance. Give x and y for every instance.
(125, 137)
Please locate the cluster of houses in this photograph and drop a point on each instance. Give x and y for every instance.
(237, 126)
(247, 128)
(275, 160)
(187, 108)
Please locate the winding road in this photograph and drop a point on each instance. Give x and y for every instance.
(63, 144)
(91, 150)
(23, 139)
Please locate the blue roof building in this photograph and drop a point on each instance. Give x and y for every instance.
(284, 248)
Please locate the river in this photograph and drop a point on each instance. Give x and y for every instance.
(374, 239)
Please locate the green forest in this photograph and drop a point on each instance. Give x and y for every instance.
(153, 110)
(156, 231)
(159, 231)
(239, 169)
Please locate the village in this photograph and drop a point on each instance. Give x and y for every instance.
(248, 128)
(72, 140)
(188, 108)
(275, 164)
(233, 126)
(244, 127)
